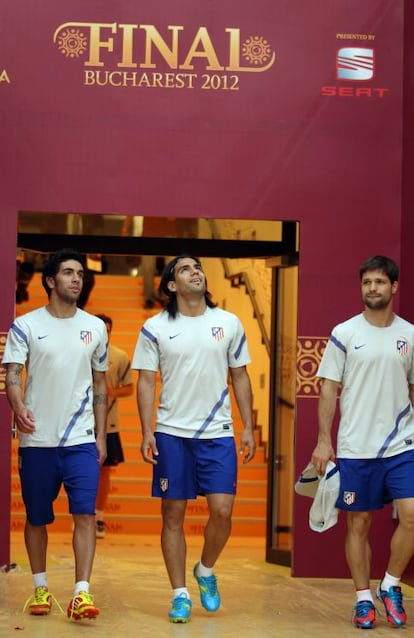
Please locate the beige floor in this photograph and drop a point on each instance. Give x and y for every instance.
(130, 586)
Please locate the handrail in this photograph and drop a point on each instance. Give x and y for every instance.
(245, 278)
(257, 312)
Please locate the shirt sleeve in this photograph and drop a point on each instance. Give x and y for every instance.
(100, 355)
(146, 355)
(17, 344)
(238, 351)
(333, 359)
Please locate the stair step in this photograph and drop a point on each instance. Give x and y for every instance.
(133, 505)
(145, 524)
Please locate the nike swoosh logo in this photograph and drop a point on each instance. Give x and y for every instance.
(43, 337)
(361, 346)
(174, 336)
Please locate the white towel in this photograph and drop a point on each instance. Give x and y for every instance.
(324, 490)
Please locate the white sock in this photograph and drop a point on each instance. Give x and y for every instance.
(99, 515)
(389, 581)
(181, 592)
(81, 585)
(204, 571)
(364, 594)
(40, 579)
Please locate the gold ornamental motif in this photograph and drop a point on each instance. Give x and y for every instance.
(256, 50)
(72, 43)
(310, 350)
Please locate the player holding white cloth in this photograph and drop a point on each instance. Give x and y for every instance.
(371, 356)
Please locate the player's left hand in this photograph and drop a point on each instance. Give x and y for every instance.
(101, 447)
(247, 441)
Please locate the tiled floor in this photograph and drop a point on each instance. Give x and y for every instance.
(131, 588)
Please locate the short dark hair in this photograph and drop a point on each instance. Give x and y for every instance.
(52, 265)
(385, 264)
(168, 274)
(105, 319)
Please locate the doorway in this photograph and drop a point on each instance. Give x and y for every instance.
(282, 416)
(258, 257)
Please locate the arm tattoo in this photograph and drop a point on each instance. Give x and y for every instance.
(14, 374)
(99, 399)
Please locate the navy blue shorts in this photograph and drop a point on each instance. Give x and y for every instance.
(368, 484)
(190, 467)
(44, 470)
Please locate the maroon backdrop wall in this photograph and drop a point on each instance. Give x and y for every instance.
(280, 109)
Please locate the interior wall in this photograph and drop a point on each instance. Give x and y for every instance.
(407, 229)
(8, 225)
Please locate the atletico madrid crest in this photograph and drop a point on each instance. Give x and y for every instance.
(402, 347)
(86, 336)
(349, 498)
(218, 333)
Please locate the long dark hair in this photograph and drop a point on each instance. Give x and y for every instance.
(168, 274)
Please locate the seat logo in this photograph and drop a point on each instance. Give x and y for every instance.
(355, 63)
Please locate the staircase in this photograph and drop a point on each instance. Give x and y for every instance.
(130, 508)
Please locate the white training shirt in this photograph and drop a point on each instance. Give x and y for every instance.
(193, 355)
(374, 366)
(59, 355)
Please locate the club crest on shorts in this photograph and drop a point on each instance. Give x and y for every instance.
(163, 484)
(349, 498)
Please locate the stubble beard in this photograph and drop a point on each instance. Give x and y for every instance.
(377, 303)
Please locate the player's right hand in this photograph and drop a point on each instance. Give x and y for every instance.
(149, 449)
